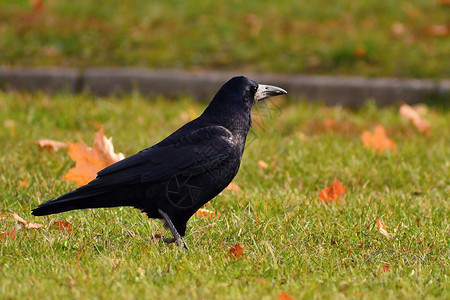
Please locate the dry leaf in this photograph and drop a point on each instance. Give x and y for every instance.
(382, 228)
(232, 187)
(23, 183)
(8, 234)
(206, 214)
(360, 52)
(51, 145)
(378, 140)
(88, 161)
(28, 225)
(397, 29)
(384, 269)
(237, 251)
(284, 296)
(409, 113)
(438, 30)
(333, 192)
(262, 164)
(62, 225)
(37, 5)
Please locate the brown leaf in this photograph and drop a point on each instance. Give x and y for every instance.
(378, 140)
(284, 296)
(232, 187)
(51, 145)
(88, 161)
(382, 228)
(28, 225)
(333, 192)
(409, 113)
(237, 251)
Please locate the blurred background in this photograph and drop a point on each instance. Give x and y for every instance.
(373, 38)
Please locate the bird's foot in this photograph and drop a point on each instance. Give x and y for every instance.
(163, 238)
(176, 236)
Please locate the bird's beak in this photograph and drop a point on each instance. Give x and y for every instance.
(266, 91)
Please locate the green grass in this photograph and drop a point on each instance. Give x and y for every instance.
(366, 38)
(293, 242)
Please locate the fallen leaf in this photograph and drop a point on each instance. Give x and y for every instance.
(397, 29)
(333, 192)
(23, 184)
(262, 164)
(382, 228)
(384, 269)
(37, 5)
(51, 145)
(61, 225)
(206, 214)
(438, 30)
(378, 140)
(28, 225)
(237, 251)
(409, 113)
(9, 234)
(360, 52)
(284, 296)
(88, 161)
(232, 187)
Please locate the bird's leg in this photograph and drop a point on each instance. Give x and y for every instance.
(176, 236)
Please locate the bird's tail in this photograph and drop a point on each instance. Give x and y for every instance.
(88, 196)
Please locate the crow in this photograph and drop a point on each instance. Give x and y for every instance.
(174, 178)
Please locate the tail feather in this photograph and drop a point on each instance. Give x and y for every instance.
(88, 196)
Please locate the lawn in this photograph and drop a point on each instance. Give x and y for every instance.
(293, 242)
(404, 38)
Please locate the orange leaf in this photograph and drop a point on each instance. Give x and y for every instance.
(37, 5)
(377, 140)
(284, 296)
(88, 161)
(23, 183)
(384, 268)
(409, 113)
(28, 225)
(262, 164)
(333, 192)
(233, 187)
(237, 251)
(206, 214)
(382, 228)
(51, 145)
(62, 225)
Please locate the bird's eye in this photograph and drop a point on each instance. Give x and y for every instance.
(254, 89)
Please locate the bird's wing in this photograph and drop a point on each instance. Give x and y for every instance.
(190, 154)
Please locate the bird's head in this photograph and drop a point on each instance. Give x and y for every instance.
(243, 92)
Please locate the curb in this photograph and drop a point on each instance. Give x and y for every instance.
(345, 91)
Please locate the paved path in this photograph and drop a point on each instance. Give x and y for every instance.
(346, 91)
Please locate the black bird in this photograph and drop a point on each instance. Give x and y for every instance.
(174, 178)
